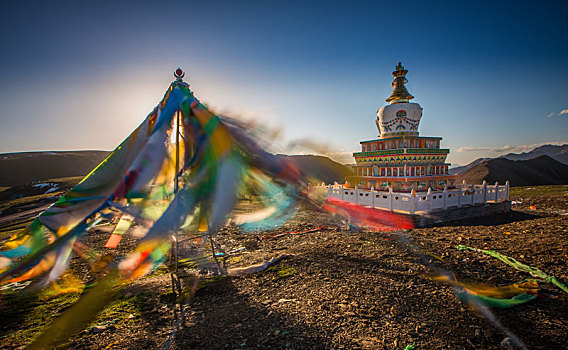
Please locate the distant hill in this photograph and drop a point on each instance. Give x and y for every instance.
(558, 153)
(319, 168)
(541, 170)
(21, 169)
(463, 168)
(18, 169)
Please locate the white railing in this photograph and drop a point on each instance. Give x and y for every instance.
(412, 203)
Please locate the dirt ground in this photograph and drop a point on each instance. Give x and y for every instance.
(337, 289)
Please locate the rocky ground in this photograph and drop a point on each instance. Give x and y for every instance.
(337, 288)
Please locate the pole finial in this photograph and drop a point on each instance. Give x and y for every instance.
(179, 74)
(399, 94)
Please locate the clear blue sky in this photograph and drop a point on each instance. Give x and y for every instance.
(492, 77)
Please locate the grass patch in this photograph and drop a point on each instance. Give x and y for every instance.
(234, 259)
(10, 231)
(66, 181)
(28, 200)
(538, 190)
(283, 271)
(160, 270)
(24, 316)
(123, 307)
(205, 281)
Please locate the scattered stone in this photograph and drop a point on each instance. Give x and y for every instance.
(98, 329)
(507, 343)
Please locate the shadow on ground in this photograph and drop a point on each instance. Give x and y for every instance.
(223, 316)
(492, 220)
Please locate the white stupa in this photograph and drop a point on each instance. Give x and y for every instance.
(400, 159)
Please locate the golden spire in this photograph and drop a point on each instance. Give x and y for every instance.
(399, 94)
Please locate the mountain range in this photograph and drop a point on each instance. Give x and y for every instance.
(18, 169)
(544, 165)
(558, 153)
(34, 173)
(319, 168)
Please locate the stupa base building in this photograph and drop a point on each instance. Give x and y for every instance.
(403, 163)
(400, 159)
(404, 172)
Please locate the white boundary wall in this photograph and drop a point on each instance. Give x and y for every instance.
(411, 203)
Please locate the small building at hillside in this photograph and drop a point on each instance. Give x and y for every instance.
(400, 159)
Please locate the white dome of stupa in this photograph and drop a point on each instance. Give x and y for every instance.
(399, 119)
